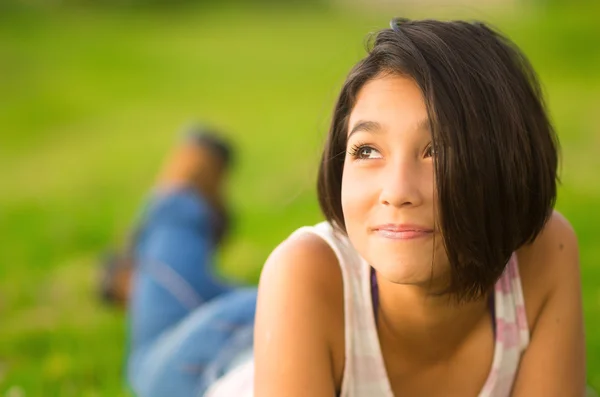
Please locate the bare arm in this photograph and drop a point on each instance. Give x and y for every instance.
(554, 362)
(299, 304)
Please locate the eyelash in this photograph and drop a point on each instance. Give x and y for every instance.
(354, 150)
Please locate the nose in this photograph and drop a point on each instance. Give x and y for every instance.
(401, 184)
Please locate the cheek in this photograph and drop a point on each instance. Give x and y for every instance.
(356, 196)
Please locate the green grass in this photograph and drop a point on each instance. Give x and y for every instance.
(90, 101)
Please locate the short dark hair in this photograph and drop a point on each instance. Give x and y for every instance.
(213, 140)
(496, 150)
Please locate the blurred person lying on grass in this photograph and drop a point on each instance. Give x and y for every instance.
(196, 169)
(442, 268)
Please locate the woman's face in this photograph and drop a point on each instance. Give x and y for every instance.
(388, 185)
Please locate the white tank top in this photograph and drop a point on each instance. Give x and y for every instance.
(364, 369)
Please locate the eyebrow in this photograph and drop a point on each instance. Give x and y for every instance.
(367, 126)
(375, 127)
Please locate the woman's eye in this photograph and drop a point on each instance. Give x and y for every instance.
(430, 151)
(365, 153)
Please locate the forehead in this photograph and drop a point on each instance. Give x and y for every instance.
(390, 100)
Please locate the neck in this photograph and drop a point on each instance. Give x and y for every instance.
(433, 328)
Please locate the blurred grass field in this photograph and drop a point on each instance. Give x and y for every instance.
(90, 100)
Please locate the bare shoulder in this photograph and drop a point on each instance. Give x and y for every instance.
(304, 271)
(554, 362)
(303, 261)
(547, 263)
(299, 319)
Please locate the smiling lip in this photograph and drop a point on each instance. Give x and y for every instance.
(402, 232)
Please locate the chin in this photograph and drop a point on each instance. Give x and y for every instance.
(406, 265)
(402, 272)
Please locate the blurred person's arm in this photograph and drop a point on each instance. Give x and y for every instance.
(554, 362)
(299, 318)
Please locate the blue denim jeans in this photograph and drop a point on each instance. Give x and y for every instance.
(186, 327)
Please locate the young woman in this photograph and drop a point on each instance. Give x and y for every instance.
(442, 268)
